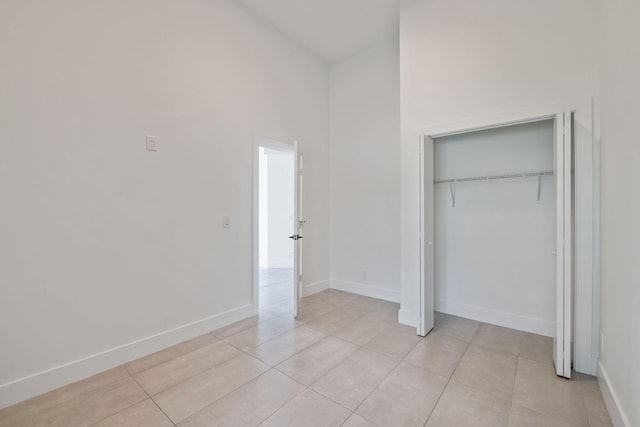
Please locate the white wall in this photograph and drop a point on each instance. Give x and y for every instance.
(280, 210)
(102, 243)
(365, 173)
(493, 259)
(620, 62)
(461, 60)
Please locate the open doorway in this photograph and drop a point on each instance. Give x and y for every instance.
(276, 217)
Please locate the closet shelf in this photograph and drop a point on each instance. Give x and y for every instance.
(492, 177)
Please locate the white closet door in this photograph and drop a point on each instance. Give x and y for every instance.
(563, 251)
(427, 290)
(297, 229)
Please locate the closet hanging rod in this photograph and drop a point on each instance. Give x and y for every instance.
(492, 177)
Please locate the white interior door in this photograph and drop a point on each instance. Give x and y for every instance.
(297, 229)
(563, 251)
(427, 274)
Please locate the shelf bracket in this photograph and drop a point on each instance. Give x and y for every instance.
(539, 186)
(452, 189)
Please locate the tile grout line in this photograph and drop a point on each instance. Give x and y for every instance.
(333, 367)
(582, 392)
(154, 402)
(212, 333)
(224, 395)
(308, 387)
(273, 367)
(335, 309)
(74, 397)
(499, 353)
(195, 375)
(295, 354)
(264, 342)
(190, 376)
(132, 374)
(515, 377)
(451, 376)
(253, 379)
(134, 404)
(351, 412)
(285, 403)
(384, 378)
(298, 352)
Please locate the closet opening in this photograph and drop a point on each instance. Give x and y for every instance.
(497, 213)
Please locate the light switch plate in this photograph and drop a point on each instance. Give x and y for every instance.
(152, 143)
(226, 222)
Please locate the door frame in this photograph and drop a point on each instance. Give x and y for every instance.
(282, 145)
(586, 292)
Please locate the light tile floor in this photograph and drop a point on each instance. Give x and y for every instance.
(346, 361)
(276, 290)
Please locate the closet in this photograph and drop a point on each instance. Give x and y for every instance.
(494, 204)
(497, 215)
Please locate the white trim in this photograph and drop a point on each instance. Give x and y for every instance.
(570, 213)
(297, 229)
(314, 288)
(366, 290)
(509, 118)
(426, 319)
(618, 416)
(274, 144)
(406, 317)
(596, 273)
(587, 301)
(259, 141)
(255, 225)
(496, 317)
(41, 382)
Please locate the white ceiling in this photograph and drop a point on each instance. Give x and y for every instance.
(332, 29)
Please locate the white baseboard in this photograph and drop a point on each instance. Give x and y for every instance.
(406, 317)
(618, 416)
(314, 288)
(366, 290)
(47, 380)
(495, 317)
(586, 365)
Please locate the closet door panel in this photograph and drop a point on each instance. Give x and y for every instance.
(427, 264)
(563, 251)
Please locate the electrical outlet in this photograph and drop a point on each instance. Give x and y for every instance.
(364, 275)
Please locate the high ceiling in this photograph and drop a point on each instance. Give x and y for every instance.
(332, 29)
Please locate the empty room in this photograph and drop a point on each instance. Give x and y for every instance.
(319, 213)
